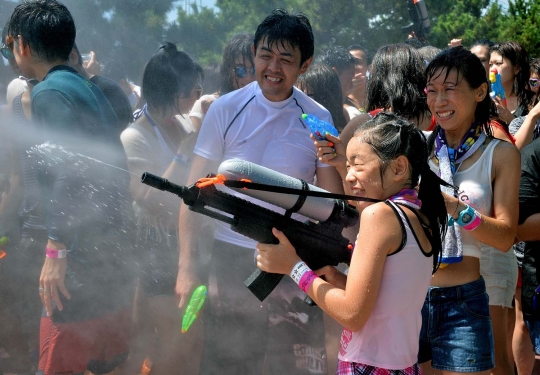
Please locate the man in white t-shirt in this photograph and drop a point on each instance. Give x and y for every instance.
(259, 123)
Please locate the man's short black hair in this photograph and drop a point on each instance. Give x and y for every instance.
(338, 58)
(46, 26)
(281, 27)
(359, 47)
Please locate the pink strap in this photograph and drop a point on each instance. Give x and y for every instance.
(475, 223)
(306, 280)
(55, 254)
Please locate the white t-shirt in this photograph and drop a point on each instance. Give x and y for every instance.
(266, 133)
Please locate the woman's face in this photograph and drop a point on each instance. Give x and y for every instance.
(186, 102)
(452, 101)
(244, 72)
(534, 82)
(503, 66)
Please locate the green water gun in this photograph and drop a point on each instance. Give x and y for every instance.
(195, 304)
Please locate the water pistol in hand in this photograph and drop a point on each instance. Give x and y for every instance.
(195, 304)
(318, 241)
(318, 127)
(497, 89)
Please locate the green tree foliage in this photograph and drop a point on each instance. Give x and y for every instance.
(522, 24)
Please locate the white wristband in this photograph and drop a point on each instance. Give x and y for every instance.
(298, 271)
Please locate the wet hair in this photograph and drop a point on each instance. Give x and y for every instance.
(336, 57)
(46, 26)
(281, 27)
(238, 46)
(518, 56)
(469, 68)
(428, 53)
(390, 136)
(483, 42)
(397, 80)
(414, 43)
(323, 82)
(169, 75)
(359, 47)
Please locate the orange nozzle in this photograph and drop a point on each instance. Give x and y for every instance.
(2, 254)
(204, 182)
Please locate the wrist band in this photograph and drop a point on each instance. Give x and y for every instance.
(303, 276)
(306, 280)
(298, 270)
(55, 254)
(475, 223)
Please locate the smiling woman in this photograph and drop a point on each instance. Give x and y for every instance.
(484, 212)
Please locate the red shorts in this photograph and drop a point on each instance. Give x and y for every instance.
(520, 278)
(98, 345)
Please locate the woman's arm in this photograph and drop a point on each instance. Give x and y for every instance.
(530, 229)
(380, 234)
(525, 133)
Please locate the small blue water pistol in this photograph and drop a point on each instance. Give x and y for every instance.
(319, 128)
(195, 303)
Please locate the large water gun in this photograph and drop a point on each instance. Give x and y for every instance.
(497, 89)
(318, 243)
(420, 20)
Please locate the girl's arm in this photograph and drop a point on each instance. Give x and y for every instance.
(525, 133)
(380, 234)
(498, 231)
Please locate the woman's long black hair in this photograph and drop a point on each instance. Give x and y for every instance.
(391, 136)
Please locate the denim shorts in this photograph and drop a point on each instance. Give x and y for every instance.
(534, 332)
(456, 330)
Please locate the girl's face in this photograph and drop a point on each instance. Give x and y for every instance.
(534, 82)
(503, 66)
(364, 173)
(243, 73)
(452, 101)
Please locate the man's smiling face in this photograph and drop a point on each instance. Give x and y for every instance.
(277, 68)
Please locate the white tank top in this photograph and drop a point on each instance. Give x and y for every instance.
(475, 187)
(389, 339)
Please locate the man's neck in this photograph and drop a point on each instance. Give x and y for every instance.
(42, 68)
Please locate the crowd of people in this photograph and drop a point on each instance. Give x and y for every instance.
(97, 269)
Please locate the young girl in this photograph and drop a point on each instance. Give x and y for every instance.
(379, 302)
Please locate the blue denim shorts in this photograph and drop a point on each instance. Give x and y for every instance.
(456, 330)
(534, 332)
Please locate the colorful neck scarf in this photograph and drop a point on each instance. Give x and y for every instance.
(448, 158)
(407, 197)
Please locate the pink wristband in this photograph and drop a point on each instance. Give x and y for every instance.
(475, 223)
(306, 280)
(55, 254)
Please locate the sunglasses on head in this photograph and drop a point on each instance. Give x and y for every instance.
(533, 82)
(7, 48)
(241, 71)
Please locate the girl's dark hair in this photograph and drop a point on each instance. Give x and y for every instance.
(323, 82)
(238, 46)
(518, 56)
(469, 68)
(169, 75)
(535, 67)
(397, 80)
(482, 42)
(390, 137)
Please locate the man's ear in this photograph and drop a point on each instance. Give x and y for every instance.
(480, 92)
(22, 47)
(73, 58)
(305, 66)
